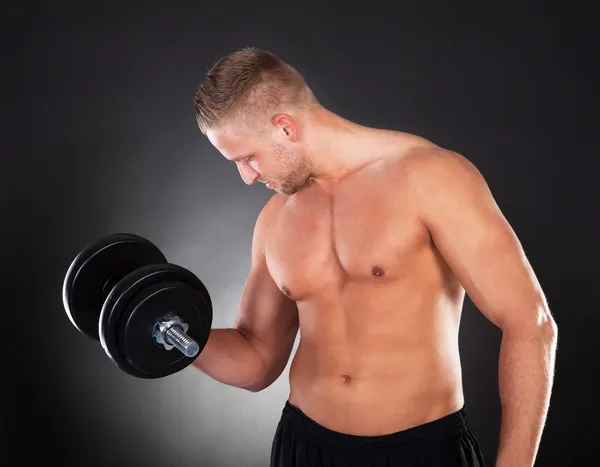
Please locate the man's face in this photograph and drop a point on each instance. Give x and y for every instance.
(267, 157)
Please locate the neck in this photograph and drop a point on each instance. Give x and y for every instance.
(335, 146)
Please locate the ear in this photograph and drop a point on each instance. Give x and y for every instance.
(286, 124)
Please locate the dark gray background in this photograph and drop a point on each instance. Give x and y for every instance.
(99, 137)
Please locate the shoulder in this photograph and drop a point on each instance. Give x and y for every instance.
(426, 168)
(268, 213)
(263, 222)
(443, 186)
(430, 179)
(418, 155)
(273, 206)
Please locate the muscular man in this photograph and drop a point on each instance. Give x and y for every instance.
(368, 246)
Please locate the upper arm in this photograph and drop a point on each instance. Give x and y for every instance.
(476, 240)
(266, 317)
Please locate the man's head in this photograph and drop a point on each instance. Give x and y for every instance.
(249, 107)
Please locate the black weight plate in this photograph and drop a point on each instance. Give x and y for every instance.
(120, 298)
(150, 306)
(96, 269)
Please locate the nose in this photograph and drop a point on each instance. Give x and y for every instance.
(248, 174)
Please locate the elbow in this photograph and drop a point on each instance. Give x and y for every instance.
(257, 387)
(548, 331)
(551, 331)
(252, 388)
(540, 324)
(266, 379)
(547, 324)
(259, 382)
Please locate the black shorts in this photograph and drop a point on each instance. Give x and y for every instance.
(448, 441)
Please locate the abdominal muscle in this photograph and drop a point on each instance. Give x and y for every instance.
(377, 362)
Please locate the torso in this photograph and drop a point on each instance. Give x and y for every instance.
(379, 309)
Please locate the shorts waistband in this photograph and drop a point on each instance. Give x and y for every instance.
(446, 427)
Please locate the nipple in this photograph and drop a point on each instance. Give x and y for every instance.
(377, 271)
(286, 291)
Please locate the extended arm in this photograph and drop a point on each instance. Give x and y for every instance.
(473, 236)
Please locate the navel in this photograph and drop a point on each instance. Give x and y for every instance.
(377, 271)
(347, 379)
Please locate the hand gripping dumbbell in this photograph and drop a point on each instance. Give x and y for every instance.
(151, 317)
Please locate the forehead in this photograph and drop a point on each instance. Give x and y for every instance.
(228, 144)
(232, 144)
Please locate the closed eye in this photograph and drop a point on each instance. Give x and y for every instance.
(243, 158)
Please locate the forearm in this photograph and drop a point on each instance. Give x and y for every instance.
(526, 373)
(229, 358)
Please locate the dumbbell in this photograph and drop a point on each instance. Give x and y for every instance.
(152, 317)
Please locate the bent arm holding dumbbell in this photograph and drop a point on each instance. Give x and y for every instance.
(254, 352)
(153, 317)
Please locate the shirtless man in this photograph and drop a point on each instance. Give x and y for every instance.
(368, 247)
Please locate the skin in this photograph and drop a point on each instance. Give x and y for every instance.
(368, 247)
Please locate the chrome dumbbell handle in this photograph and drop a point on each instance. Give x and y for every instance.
(177, 337)
(170, 332)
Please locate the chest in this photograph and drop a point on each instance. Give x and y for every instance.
(363, 232)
